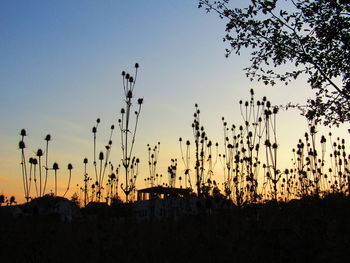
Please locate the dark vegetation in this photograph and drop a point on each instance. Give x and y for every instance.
(288, 39)
(270, 213)
(306, 230)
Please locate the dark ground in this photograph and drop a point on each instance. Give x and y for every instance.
(308, 230)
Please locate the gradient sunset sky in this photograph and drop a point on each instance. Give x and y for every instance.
(60, 69)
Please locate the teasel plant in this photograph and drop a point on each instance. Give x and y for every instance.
(128, 133)
(153, 154)
(55, 168)
(211, 160)
(39, 154)
(241, 157)
(313, 162)
(113, 182)
(22, 146)
(172, 169)
(251, 136)
(31, 168)
(94, 132)
(200, 140)
(233, 166)
(35, 163)
(86, 182)
(272, 173)
(309, 165)
(69, 167)
(339, 165)
(108, 149)
(186, 160)
(227, 160)
(101, 164)
(47, 139)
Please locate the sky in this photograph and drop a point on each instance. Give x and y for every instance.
(60, 69)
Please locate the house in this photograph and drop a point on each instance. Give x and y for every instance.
(157, 203)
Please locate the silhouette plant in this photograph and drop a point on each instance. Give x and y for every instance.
(55, 168)
(203, 155)
(22, 146)
(152, 163)
(112, 183)
(70, 167)
(172, 168)
(186, 159)
(39, 154)
(86, 181)
(273, 175)
(108, 148)
(35, 163)
(241, 157)
(128, 134)
(339, 165)
(103, 159)
(47, 139)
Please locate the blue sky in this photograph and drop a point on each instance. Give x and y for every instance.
(60, 69)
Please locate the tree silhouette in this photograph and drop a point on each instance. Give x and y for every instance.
(312, 36)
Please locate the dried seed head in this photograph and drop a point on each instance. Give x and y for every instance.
(48, 137)
(112, 127)
(85, 160)
(21, 145)
(98, 120)
(123, 73)
(94, 129)
(23, 132)
(101, 157)
(70, 166)
(55, 166)
(129, 94)
(122, 111)
(136, 65)
(39, 153)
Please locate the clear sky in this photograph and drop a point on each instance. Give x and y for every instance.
(60, 65)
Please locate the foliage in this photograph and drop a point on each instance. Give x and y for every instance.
(312, 36)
